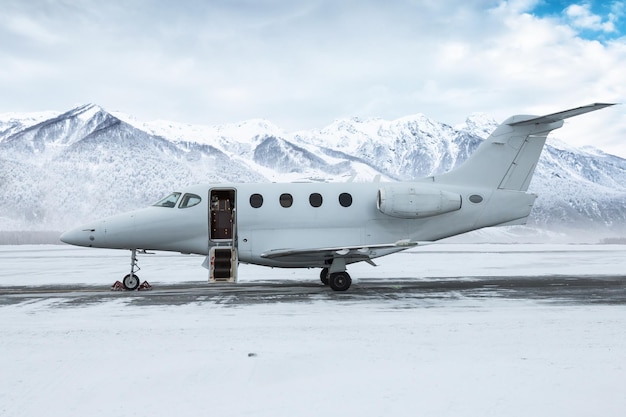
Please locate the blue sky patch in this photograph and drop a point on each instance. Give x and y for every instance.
(600, 20)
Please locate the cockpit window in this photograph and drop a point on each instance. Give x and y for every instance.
(189, 200)
(169, 201)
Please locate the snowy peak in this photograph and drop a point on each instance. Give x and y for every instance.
(11, 123)
(246, 132)
(479, 124)
(406, 148)
(85, 111)
(59, 169)
(84, 128)
(62, 130)
(286, 157)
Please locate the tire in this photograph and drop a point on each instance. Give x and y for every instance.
(324, 276)
(340, 281)
(131, 282)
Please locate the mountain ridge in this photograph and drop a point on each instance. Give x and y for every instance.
(58, 169)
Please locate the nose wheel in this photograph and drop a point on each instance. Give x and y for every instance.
(131, 281)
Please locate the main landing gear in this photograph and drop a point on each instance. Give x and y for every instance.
(338, 281)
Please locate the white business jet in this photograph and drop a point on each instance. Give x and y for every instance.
(332, 225)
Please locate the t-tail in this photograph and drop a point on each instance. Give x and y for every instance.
(507, 159)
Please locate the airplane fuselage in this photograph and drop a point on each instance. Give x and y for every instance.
(301, 216)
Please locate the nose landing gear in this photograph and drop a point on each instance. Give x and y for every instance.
(131, 281)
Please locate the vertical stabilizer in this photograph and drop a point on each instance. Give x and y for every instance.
(508, 157)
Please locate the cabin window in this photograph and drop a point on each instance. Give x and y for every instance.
(315, 199)
(256, 200)
(189, 200)
(286, 200)
(345, 199)
(169, 201)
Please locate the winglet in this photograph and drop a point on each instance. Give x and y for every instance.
(555, 117)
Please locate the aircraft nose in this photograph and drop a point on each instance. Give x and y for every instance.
(82, 236)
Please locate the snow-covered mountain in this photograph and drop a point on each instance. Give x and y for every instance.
(60, 169)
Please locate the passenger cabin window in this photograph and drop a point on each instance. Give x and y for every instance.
(256, 200)
(169, 201)
(315, 199)
(189, 200)
(286, 200)
(345, 199)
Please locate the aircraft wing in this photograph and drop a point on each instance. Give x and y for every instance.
(364, 252)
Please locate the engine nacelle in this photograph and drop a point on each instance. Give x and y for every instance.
(415, 202)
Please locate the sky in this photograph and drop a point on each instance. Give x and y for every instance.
(304, 64)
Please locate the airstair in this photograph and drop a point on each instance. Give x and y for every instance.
(223, 258)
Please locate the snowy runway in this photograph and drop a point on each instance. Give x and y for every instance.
(390, 293)
(455, 330)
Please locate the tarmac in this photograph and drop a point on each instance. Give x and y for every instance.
(397, 293)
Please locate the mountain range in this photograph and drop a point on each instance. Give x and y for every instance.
(61, 169)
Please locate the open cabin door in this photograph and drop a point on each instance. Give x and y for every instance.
(222, 235)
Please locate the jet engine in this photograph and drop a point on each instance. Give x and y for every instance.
(416, 202)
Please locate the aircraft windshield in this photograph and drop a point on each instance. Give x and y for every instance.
(169, 201)
(189, 200)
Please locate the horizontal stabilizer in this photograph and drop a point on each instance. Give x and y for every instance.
(555, 117)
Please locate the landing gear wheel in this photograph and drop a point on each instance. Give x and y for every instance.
(324, 276)
(339, 281)
(131, 282)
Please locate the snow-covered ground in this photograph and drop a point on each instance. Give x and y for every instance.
(64, 264)
(457, 356)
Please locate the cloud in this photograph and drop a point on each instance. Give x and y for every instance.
(581, 16)
(304, 64)
(28, 28)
